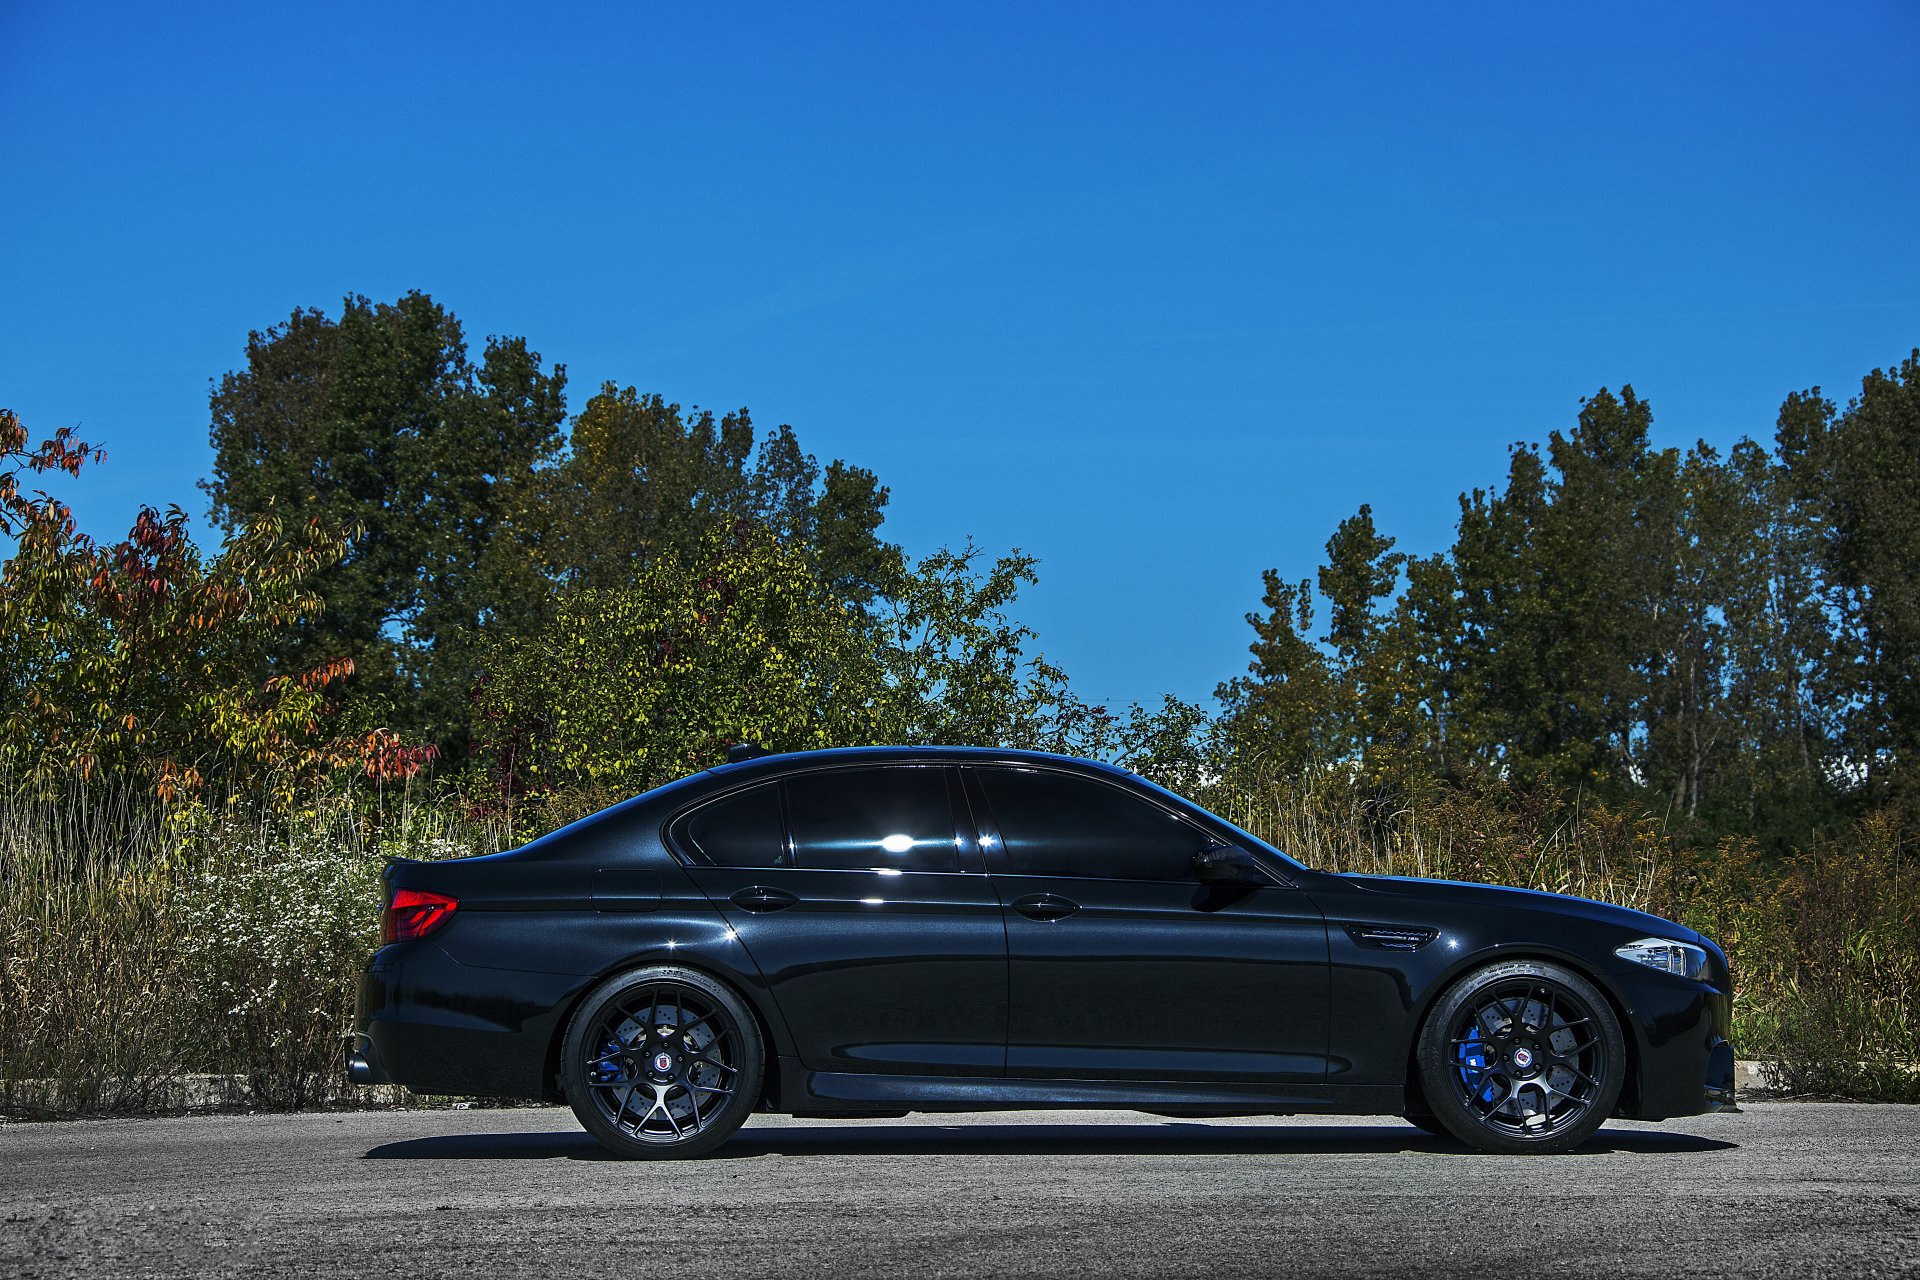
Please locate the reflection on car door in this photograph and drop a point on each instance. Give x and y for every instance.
(1121, 964)
(880, 936)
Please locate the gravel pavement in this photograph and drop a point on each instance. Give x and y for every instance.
(1785, 1189)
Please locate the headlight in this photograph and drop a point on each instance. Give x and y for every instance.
(1681, 958)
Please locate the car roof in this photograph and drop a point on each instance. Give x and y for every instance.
(787, 761)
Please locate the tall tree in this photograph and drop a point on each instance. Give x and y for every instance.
(1604, 559)
(1868, 475)
(1283, 716)
(379, 420)
(1504, 710)
(645, 483)
(1361, 571)
(1776, 638)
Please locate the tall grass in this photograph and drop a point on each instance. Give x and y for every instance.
(140, 946)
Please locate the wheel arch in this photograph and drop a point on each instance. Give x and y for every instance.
(747, 992)
(1423, 1009)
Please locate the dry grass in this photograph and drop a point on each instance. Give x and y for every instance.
(139, 946)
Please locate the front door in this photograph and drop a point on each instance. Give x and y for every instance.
(1122, 965)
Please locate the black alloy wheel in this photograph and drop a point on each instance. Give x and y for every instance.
(662, 1062)
(1522, 1057)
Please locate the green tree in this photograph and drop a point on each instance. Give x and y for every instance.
(1362, 571)
(1504, 708)
(626, 687)
(955, 661)
(141, 661)
(1425, 642)
(645, 482)
(1776, 639)
(1867, 481)
(1284, 716)
(379, 420)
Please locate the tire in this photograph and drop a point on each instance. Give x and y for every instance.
(1522, 1058)
(634, 1083)
(1430, 1123)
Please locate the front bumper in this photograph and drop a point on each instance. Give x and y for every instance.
(1681, 1040)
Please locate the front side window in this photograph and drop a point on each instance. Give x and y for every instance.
(891, 819)
(1056, 824)
(740, 830)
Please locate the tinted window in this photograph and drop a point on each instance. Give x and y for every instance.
(1055, 824)
(882, 819)
(742, 830)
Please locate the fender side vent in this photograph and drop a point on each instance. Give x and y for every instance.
(1384, 937)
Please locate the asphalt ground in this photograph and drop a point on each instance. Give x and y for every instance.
(1785, 1189)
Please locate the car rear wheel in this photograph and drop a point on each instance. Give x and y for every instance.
(1522, 1057)
(662, 1062)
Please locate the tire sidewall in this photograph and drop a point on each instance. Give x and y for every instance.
(1436, 1063)
(746, 1094)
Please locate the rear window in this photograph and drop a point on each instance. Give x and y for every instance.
(740, 830)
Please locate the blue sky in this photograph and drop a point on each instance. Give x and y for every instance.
(1156, 293)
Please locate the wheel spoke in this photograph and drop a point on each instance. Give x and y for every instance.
(1591, 1082)
(685, 1027)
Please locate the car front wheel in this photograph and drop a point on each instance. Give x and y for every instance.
(1522, 1057)
(662, 1062)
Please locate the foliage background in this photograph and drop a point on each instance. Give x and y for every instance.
(447, 617)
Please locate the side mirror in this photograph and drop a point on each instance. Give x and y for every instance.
(1226, 864)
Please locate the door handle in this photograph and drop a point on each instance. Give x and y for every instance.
(1044, 906)
(761, 898)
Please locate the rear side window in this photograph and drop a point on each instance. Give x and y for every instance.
(742, 830)
(1055, 824)
(895, 819)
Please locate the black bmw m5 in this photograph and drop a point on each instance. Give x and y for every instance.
(874, 931)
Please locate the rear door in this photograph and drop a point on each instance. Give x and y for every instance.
(1121, 963)
(873, 923)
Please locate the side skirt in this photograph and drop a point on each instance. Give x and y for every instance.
(846, 1093)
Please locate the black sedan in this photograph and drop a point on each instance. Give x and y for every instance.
(875, 931)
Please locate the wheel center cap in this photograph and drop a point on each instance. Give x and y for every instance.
(1523, 1058)
(663, 1062)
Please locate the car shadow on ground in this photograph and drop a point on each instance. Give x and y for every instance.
(1173, 1139)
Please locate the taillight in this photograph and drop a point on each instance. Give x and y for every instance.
(415, 913)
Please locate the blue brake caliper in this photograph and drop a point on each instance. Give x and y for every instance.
(608, 1071)
(1472, 1056)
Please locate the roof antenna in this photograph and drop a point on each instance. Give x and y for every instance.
(745, 751)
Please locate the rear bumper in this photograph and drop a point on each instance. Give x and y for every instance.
(434, 1025)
